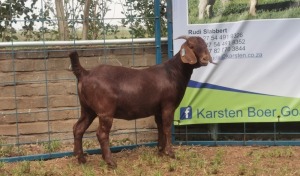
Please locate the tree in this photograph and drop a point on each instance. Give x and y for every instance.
(10, 10)
(98, 29)
(93, 26)
(85, 25)
(62, 22)
(140, 18)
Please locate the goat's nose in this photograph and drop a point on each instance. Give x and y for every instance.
(204, 60)
(209, 59)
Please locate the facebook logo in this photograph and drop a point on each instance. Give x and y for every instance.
(185, 113)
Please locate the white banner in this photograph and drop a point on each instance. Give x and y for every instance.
(257, 60)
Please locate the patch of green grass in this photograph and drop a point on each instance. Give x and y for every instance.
(40, 168)
(253, 172)
(190, 161)
(150, 158)
(23, 168)
(236, 10)
(6, 149)
(158, 173)
(1, 166)
(88, 170)
(216, 162)
(122, 142)
(52, 146)
(218, 159)
(89, 144)
(276, 153)
(242, 170)
(103, 167)
(172, 166)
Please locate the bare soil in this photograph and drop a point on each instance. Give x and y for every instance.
(190, 160)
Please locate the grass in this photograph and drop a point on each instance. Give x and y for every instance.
(276, 153)
(190, 160)
(9, 150)
(52, 146)
(237, 10)
(242, 169)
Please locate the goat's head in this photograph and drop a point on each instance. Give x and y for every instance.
(194, 51)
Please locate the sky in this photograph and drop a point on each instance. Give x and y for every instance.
(115, 12)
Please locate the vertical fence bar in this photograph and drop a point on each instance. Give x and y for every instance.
(46, 79)
(170, 28)
(15, 84)
(157, 31)
(170, 45)
(244, 135)
(275, 134)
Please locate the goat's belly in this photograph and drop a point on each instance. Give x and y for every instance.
(130, 117)
(134, 113)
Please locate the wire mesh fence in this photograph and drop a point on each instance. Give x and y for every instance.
(38, 95)
(270, 134)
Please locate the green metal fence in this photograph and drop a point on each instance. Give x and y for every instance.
(38, 95)
(270, 134)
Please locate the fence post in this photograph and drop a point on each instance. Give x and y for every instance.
(157, 31)
(170, 45)
(170, 28)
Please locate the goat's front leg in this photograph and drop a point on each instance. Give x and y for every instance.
(159, 124)
(167, 119)
(103, 138)
(79, 128)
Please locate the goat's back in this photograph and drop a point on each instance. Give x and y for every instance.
(127, 93)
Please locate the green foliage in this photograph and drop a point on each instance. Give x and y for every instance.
(98, 29)
(140, 18)
(28, 20)
(32, 15)
(9, 11)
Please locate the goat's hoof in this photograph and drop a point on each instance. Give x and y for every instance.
(112, 165)
(161, 153)
(81, 160)
(172, 155)
(164, 153)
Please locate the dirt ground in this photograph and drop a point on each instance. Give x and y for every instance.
(190, 160)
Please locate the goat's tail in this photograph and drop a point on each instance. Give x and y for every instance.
(77, 69)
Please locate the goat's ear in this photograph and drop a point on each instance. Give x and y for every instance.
(187, 55)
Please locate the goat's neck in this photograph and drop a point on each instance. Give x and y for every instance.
(177, 68)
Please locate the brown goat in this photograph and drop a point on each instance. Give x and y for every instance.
(118, 92)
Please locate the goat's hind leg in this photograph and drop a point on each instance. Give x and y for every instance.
(79, 128)
(167, 120)
(160, 140)
(103, 138)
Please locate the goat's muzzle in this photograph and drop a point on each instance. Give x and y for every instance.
(211, 61)
(206, 59)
